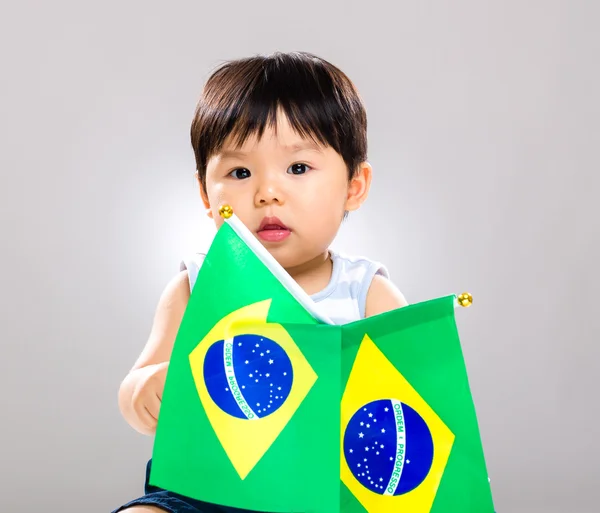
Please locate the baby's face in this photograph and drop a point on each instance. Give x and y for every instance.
(288, 191)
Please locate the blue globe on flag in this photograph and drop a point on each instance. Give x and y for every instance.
(388, 447)
(248, 376)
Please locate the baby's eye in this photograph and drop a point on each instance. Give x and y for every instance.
(240, 173)
(298, 169)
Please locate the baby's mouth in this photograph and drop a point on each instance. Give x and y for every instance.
(272, 229)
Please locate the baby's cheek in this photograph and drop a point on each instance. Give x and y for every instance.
(218, 195)
(326, 221)
(220, 198)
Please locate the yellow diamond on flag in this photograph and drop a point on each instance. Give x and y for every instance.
(394, 447)
(251, 378)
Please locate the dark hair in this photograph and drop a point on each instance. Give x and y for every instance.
(243, 95)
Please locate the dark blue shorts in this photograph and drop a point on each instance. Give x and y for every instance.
(173, 502)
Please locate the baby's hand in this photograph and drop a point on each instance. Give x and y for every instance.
(147, 394)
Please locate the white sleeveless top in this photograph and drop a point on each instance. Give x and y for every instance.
(344, 298)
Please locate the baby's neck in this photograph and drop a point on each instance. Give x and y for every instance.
(314, 275)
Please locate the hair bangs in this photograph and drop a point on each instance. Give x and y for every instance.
(243, 98)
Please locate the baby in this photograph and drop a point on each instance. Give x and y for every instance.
(283, 140)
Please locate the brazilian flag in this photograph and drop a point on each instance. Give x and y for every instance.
(270, 407)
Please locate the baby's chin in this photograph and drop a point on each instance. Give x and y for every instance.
(294, 260)
(284, 256)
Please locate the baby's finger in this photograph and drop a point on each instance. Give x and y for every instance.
(153, 407)
(144, 415)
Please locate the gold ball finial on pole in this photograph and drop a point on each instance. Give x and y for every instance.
(226, 211)
(465, 299)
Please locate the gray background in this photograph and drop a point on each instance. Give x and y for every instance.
(484, 137)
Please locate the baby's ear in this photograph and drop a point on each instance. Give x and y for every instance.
(204, 197)
(358, 187)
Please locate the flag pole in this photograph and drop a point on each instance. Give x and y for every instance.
(226, 212)
(465, 299)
